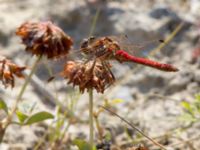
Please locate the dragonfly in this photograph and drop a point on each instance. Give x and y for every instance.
(109, 48)
(105, 49)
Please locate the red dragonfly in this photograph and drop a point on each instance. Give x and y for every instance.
(108, 48)
(103, 49)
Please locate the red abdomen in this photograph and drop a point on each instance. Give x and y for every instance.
(123, 56)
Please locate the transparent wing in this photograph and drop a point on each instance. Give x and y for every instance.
(141, 49)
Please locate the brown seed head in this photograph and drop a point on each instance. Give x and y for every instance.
(7, 72)
(44, 38)
(92, 75)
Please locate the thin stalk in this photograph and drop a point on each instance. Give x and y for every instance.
(168, 39)
(64, 131)
(99, 129)
(91, 117)
(42, 139)
(94, 22)
(2, 132)
(9, 119)
(54, 84)
(138, 130)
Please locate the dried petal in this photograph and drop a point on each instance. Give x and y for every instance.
(7, 72)
(91, 75)
(44, 38)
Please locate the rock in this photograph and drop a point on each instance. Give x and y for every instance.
(180, 82)
(193, 88)
(15, 134)
(4, 146)
(161, 12)
(197, 76)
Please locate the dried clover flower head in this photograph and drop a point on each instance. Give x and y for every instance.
(7, 72)
(91, 75)
(44, 38)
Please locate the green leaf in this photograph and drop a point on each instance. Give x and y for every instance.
(38, 117)
(117, 101)
(112, 102)
(108, 136)
(32, 107)
(3, 106)
(21, 116)
(187, 107)
(16, 123)
(83, 145)
(197, 97)
(186, 117)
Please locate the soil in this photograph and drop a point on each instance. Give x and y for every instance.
(151, 99)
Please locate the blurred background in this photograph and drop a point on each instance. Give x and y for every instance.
(150, 99)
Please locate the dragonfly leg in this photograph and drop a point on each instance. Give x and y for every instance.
(90, 72)
(106, 66)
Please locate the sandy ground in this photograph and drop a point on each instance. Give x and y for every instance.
(151, 98)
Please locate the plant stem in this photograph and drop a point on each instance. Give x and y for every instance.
(91, 117)
(99, 129)
(138, 130)
(9, 119)
(2, 132)
(94, 21)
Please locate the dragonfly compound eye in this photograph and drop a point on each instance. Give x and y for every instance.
(86, 42)
(91, 39)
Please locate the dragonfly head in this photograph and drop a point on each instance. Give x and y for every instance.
(86, 42)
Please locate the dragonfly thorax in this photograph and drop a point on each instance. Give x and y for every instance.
(103, 48)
